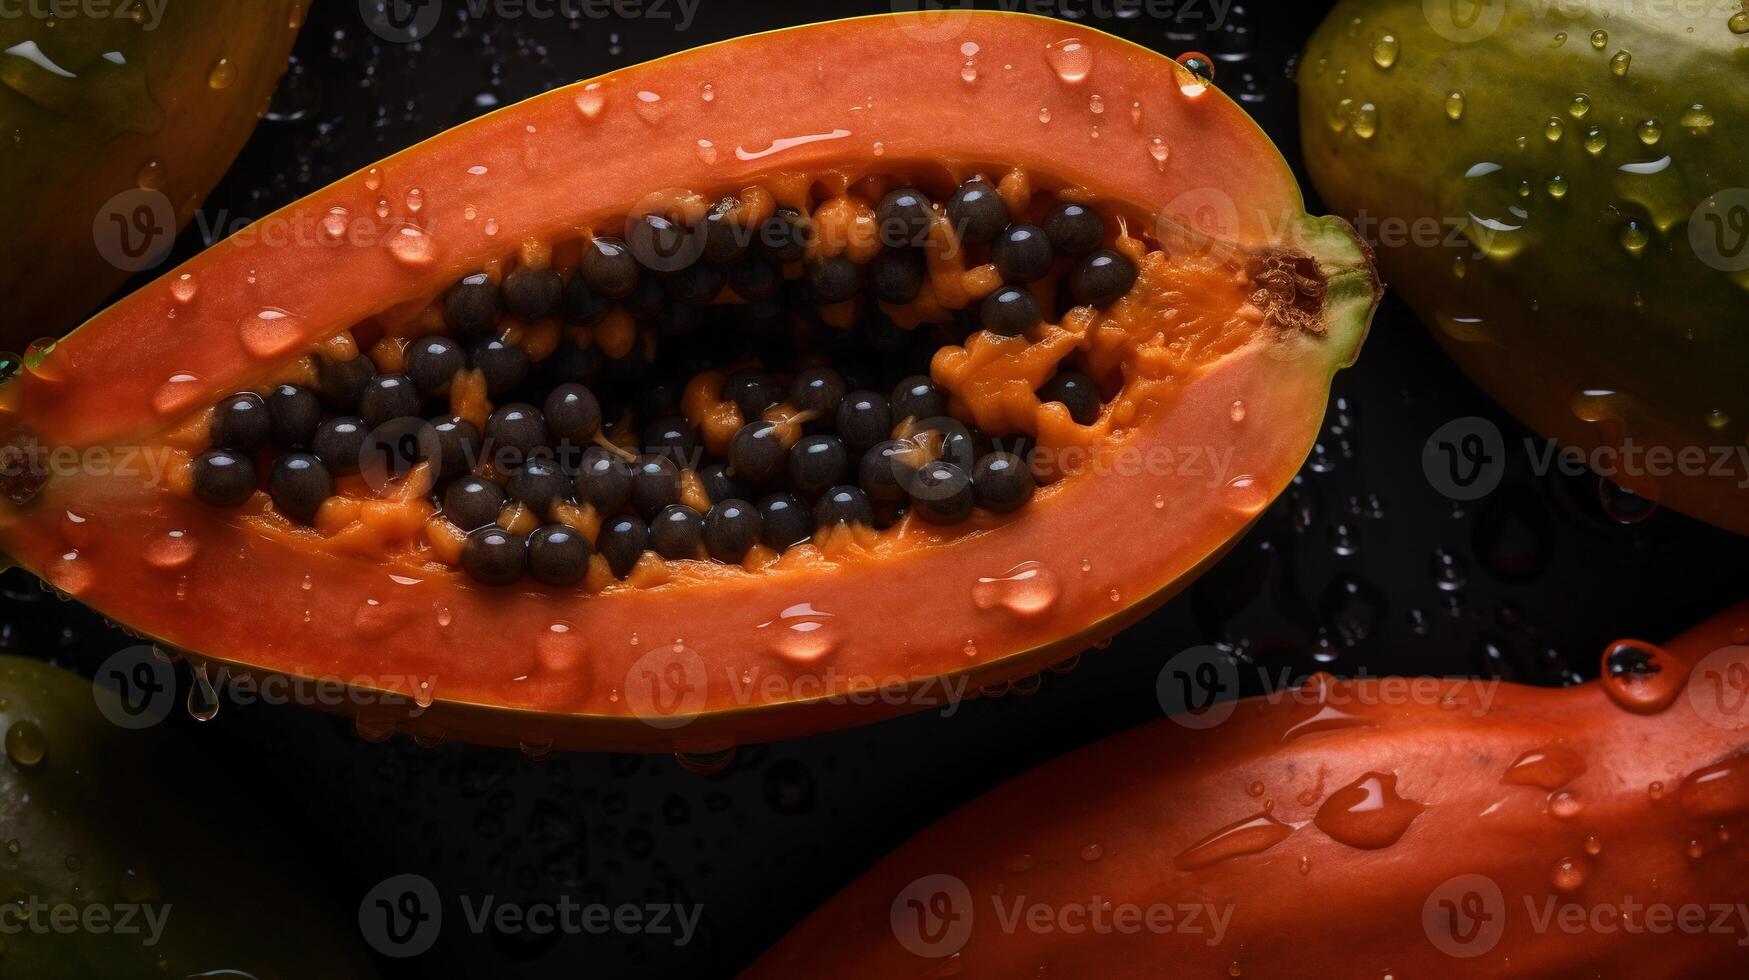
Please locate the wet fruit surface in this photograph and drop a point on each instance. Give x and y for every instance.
(1361, 566)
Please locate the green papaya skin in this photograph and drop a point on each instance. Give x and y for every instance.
(1563, 197)
(149, 96)
(135, 827)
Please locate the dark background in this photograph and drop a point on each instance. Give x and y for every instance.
(1363, 566)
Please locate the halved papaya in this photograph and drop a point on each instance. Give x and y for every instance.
(1383, 826)
(572, 424)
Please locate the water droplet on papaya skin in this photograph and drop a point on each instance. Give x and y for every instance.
(1251, 835)
(1070, 59)
(1718, 790)
(1569, 875)
(26, 745)
(411, 245)
(1368, 813)
(591, 101)
(802, 633)
(1027, 589)
(270, 333)
(1739, 22)
(1550, 767)
(222, 76)
(1385, 49)
(1620, 63)
(1642, 677)
(1454, 105)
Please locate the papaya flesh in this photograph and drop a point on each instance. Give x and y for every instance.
(1386, 826)
(1559, 195)
(1212, 374)
(119, 122)
(125, 834)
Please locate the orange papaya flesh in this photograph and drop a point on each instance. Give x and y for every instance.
(122, 125)
(1215, 368)
(1386, 826)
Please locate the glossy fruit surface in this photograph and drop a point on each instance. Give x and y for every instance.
(1419, 826)
(128, 835)
(1208, 428)
(1564, 200)
(117, 125)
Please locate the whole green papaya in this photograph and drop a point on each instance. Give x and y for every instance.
(1560, 188)
(122, 855)
(117, 117)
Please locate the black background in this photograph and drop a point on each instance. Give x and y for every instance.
(1362, 567)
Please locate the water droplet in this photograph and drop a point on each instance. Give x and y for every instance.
(1252, 835)
(1044, 114)
(1368, 813)
(879, 148)
(1027, 589)
(411, 245)
(178, 394)
(1633, 237)
(707, 92)
(969, 71)
(1565, 805)
(1718, 790)
(1596, 140)
(1136, 114)
(1569, 874)
(1245, 494)
(650, 107)
(1550, 767)
(270, 333)
(1200, 73)
(222, 75)
(1092, 852)
(591, 101)
(1620, 63)
(1642, 677)
(150, 176)
(1739, 22)
(1454, 105)
(1557, 187)
(802, 633)
(707, 151)
(1560, 38)
(1599, 39)
(1554, 129)
(1384, 51)
(1580, 106)
(171, 550)
(373, 179)
(1236, 411)
(1366, 121)
(1095, 104)
(26, 745)
(1697, 119)
(1650, 131)
(706, 762)
(1593, 846)
(1070, 59)
(202, 701)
